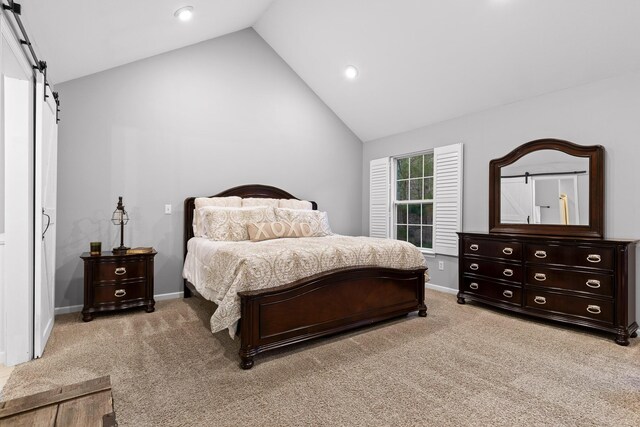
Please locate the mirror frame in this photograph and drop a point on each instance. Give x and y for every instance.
(595, 154)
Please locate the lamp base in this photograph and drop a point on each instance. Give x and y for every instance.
(122, 250)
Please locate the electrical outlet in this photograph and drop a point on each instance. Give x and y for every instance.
(440, 265)
(167, 209)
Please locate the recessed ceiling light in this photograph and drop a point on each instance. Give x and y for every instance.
(351, 72)
(184, 13)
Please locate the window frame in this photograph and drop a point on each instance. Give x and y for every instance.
(394, 202)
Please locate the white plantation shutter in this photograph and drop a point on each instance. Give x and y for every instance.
(379, 180)
(447, 170)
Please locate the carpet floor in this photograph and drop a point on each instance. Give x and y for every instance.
(462, 365)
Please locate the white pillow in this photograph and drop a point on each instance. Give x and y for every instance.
(318, 221)
(295, 204)
(200, 202)
(259, 201)
(230, 224)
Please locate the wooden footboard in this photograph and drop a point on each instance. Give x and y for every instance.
(325, 304)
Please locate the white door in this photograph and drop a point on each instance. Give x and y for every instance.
(17, 94)
(516, 202)
(45, 204)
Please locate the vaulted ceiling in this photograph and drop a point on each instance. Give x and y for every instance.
(419, 61)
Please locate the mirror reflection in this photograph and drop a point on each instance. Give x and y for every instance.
(545, 187)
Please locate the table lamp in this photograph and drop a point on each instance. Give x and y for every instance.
(120, 217)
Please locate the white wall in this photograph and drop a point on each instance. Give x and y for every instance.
(605, 112)
(192, 122)
(3, 347)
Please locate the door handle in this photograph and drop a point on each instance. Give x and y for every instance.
(48, 223)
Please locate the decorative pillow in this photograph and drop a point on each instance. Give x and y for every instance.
(230, 224)
(275, 230)
(200, 202)
(318, 221)
(295, 204)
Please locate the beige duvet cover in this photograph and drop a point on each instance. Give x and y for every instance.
(219, 269)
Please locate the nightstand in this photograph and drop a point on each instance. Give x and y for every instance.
(116, 282)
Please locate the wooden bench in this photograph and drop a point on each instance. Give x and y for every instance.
(88, 403)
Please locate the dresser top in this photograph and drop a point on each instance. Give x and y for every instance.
(548, 238)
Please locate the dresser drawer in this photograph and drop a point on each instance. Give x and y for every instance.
(109, 294)
(110, 271)
(591, 308)
(492, 290)
(583, 281)
(578, 256)
(497, 270)
(493, 248)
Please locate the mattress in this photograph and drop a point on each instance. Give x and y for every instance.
(221, 269)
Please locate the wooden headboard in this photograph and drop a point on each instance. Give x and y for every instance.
(245, 191)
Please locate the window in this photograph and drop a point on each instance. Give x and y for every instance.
(418, 198)
(413, 201)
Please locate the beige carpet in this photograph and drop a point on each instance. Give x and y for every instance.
(462, 365)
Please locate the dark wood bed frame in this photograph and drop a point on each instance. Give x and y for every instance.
(319, 305)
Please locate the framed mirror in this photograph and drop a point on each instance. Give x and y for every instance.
(550, 187)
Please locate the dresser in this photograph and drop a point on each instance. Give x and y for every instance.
(579, 281)
(117, 282)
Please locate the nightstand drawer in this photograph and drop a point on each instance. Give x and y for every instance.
(110, 271)
(109, 294)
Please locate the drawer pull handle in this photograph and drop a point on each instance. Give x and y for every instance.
(540, 254)
(507, 251)
(508, 294)
(540, 277)
(120, 271)
(473, 285)
(508, 272)
(593, 283)
(594, 309)
(594, 258)
(540, 300)
(474, 266)
(120, 293)
(474, 247)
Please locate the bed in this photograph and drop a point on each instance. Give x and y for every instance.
(317, 305)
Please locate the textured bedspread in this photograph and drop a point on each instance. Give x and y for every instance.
(219, 270)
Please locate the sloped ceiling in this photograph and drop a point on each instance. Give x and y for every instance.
(82, 37)
(420, 61)
(425, 61)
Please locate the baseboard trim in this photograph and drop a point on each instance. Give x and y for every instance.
(77, 308)
(67, 309)
(171, 295)
(441, 288)
(3, 358)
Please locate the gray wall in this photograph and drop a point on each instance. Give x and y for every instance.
(194, 121)
(604, 112)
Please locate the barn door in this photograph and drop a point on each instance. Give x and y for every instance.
(17, 95)
(516, 202)
(45, 210)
